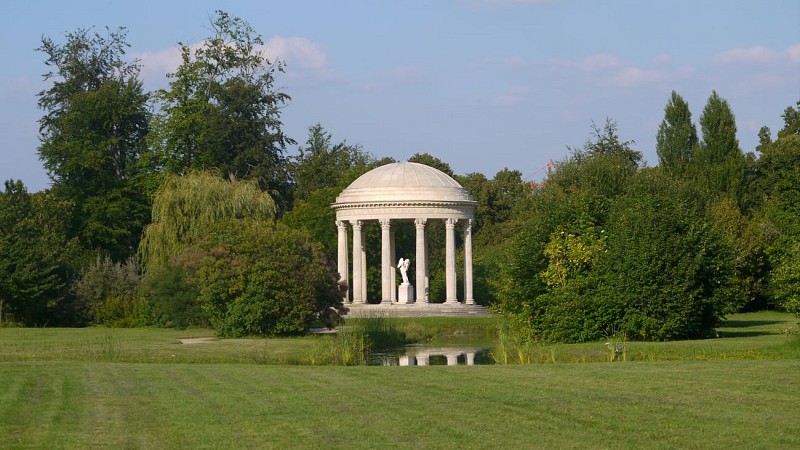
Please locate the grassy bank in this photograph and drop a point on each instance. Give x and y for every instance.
(143, 388)
(762, 335)
(676, 404)
(758, 335)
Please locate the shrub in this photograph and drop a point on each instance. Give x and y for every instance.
(256, 278)
(107, 293)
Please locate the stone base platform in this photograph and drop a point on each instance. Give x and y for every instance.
(415, 310)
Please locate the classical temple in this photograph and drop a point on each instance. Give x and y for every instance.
(395, 193)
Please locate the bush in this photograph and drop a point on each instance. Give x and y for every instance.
(108, 293)
(172, 295)
(256, 278)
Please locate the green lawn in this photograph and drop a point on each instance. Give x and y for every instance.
(141, 388)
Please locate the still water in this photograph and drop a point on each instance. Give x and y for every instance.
(434, 355)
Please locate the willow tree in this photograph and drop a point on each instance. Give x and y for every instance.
(185, 207)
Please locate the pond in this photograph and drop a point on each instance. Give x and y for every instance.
(448, 354)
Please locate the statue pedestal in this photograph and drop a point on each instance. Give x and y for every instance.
(405, 294)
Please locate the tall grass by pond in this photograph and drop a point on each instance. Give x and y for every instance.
(353, 343)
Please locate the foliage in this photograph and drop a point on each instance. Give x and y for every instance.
(431, 161)
(607, 142)
(498, 199)
(260, 279)
(93, 138)
(666, 274)
(222, 112)
(108, 293)
(322, 165)
(185, 207)
(172, 295)
(606, 248)
(352, 345)
(677, 136)
(719, 163)
(747, 237)
(786, 279)
(791, 121)
(35, 256)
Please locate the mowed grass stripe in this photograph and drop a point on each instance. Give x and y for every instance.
(666, 404)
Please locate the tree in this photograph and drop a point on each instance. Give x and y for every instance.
(776, 186)
(432, 161)
(185, 207)
(719, 163)
(108, 293)
(791, 121)
(260, 279)
(34, 256)
(93, 138)
(606, 141)
(746, 237)
(677, 136)
(321, 164)
(666, 274)
(221, 111)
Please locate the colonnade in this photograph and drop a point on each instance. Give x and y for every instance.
(358, 287)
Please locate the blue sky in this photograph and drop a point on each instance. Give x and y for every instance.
(481, 84)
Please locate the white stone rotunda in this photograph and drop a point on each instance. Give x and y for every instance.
(404, 192)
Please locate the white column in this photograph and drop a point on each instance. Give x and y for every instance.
(450, 265)
(393, 270)
(364, 264)
(386, 261)
(468, 264)
(421, 270)
(452, 358)
(357, 268)
(342, 260)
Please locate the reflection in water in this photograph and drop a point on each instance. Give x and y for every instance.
(433, 356)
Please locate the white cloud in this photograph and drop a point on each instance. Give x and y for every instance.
(302, 56)
(514, 96)
(632, 76)
(599, 61)
(758, 55)
(157, 64)
(662, 59)
(298, 52)
(794, 53)
(607, 69)
(508, 63)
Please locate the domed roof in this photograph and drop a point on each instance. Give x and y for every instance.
(404, 182)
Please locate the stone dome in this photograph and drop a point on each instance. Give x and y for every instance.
(404, 182)
(404, 190)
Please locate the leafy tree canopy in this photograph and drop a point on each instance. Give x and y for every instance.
(93, 138)
(259, 279)
(185, 207)
(221, 111)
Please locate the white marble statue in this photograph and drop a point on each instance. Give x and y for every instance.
(403, 266)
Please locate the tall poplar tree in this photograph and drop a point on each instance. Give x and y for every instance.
(677, 136)
(719, 161)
